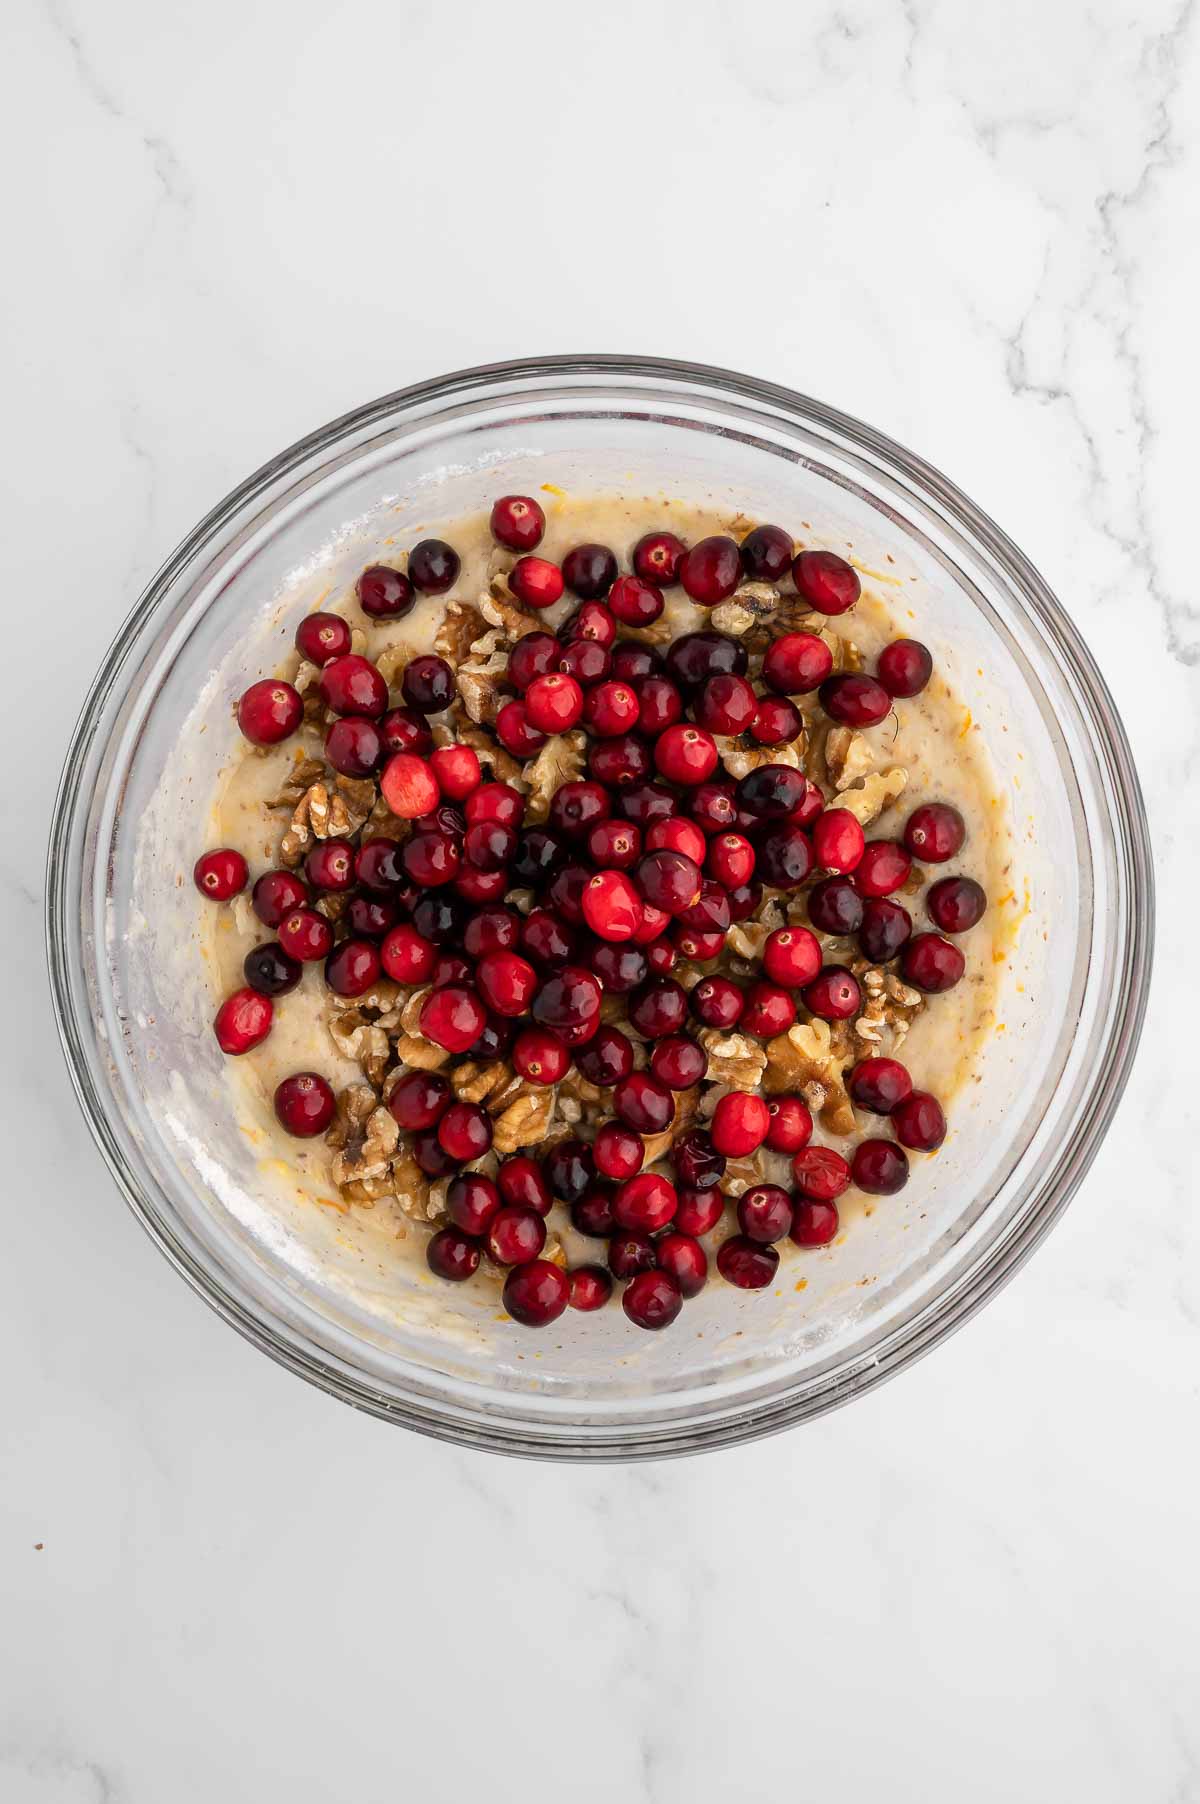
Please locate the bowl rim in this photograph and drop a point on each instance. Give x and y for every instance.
(1132, 850)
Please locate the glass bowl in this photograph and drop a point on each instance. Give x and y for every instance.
(309, 1286)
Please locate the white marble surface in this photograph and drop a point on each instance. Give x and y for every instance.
(976, 227)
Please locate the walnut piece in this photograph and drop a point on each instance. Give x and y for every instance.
(465, 731)
(746, 607)
(524, 1122)
(733, 1059)
(741, 1175)
(410, 1186)
(420, 1055)
(871, 795)
(359, 1039)
(370, 1163)
(803, 1060)
(461, 625)
(559, 761)
(500, 607)
(475, 1082)
(848, 756)
(355, 1106)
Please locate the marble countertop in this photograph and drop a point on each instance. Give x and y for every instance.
(975, 227)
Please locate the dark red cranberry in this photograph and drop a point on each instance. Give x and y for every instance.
(658, 1008)
(306, 935)
(540, 1057)
(883, 867)
(709, 913)
(353, 686)
(433, 566)
(404, 730)
(471, 1202)
(506, 982)
(439, 918)
(533, 656)
(570, 1169)
(522, 1183)
(224, 873)
(886, 927)
(791, 1124)
(699, 1211)
(769, 1011)
(935, 832)
(450, 967)
(697, 1162)
(855, 700)
(243, 1021)
(820, 1173)
(384, 594)
(652, 1300)
(777, 721)
(593, 623)
(354, 746)
(797, 664)
(678, 1062)
(330, 865)
(465, 1132)
(785, 857)
(576, 807)
(837, 840)
(744, 901)
(618, 1151)
(538, 856)
(657, 556)
(630, 1253)
(589, 571)
(270, 970)
(739, 1124)
(669, 880)
(515, 1235)
(620, 968)
(452, 1255)
(518, 522)
(592, 1214)
(711, 570)
(808, 807)
(677, 835)
(744, 1263)
(320, 637)
(646, 1203)
(586, 661)
(568, 1003)
(771, 792)
(491, 929)
(833, 994)
(379, 866)
(487, 846)
(717, 1002)
(269, 711)
(764, 1213)
(826, 581)
(609, 709)
(430, 1155)
(431, 859)
(814, 1223)
(919, 1122)
(835, 906)
(591, 1287)
(498, 802)
(766, 554)
(661, 956)
(695, 945)
(635, 601)
(304, 1104)
(713, 807)
(634, 663)
(352, 968)
(932, 963)
(428, 684)
(726, 704)
(879, 1167)
(614, 845)
(956, 904)
(694, 657)
(904, 667)
(619, 762)
(684, 1260)
(660, 705)
(452, 1017)
(495, 1041)
(607, 1057)
(276, 895)
(879, 1085)
(546, 938)
(644, 1104)
(565, 892)
(645, 803)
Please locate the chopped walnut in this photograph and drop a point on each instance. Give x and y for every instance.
(304, 773)
(746, 940)
(902, 994)
(392, 662)
(355, 1106)
(410, 1014)
(475, 1082)
(324, 813)
(505, 768)
(740, 759)
(481, 677)
(420, 1055)
(370, 1164)
(733, 1059)
(306, 675)
(500, 607)
(356, 1038)
(559, 761)
(410, 1185)
(524, 1122)
(554, 1251)
(871, 795)
(803, 1060)
(461, 625)
(848, 756)
(741, 1175)
(746, 607)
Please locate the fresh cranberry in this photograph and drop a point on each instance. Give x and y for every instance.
(522, 1183)
(354, 746)
(618, 1152)
(769, 1011)
(613, 845)
(534, 655)
(379, 866)
(276, 895)
(433, 566)
(796, 664)
(554, 703)
(630, 1253)
(635, 601)
(565, 893)
(320, 637)
(404, 730)
(713, 807)
(886, 927)
(717, 1002)
(222, 874)
(330, 865)
(814, 1222)
(711, 570)
(766, 554)
(652, 1300)
(498, 802)
(431, 859)
(785, 857)
(586, 661)
(352, 685)
(935, 832)
(535, 1294)
(765, 1213)
(744, 901)
(590, 1287)
(833, 994)
(465, 1132)
(589, 571)
(352, 968)
(771, 792)
(428, 684)
(406, 957)
(539, 1056)
(270, 970)
(591, 1213)
(539, 856)
(696, 1160)
(644, 1104)
(660, 705)
(777, 721)
(883, 867)
(430, 1155)
(645, 1203)
(577, 806)
(269, 711)
(658, 1008)
(879, 1167)
(546, 938)
(657, 556)
(932, 963)
(835, 906)
(855, 701)
(439, 918)
(791, 1124)
(515, 1235)
(593, 621)
(304, 1104)
(619, 762)
(694, 657)
(452, 1255)
(306, 935)
(837, 840)
(669, 880)
(695, 945)
(919, 1122)
(492, 929)
(620, 967)
(709, 913)
(518, 522)
(809, 806)
(726, 704)
(487, 846)
(791, 956)
(450, 967)
(568, 1003)
(384, 594)
(678, 1063)
(956, 904)
(879, 1085)
(452, 1017)
(607, 1057)
(826, 581)
(699, 1210)
(820, 1174)
(744, 1263)
(506, 982)
(457, 769)
(739, 1124)
(904, 667)
(570, 1169)
(634, 663)
(661, 956)
(609, 709)
(243, 1021)
(654, 923)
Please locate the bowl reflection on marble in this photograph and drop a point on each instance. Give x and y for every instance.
(303, 1283)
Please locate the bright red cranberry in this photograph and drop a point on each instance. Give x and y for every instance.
(883, 867)
(694, 657)
(457, 770)
(430, 1155)
(769, 1011)
(609, 709)
(644, 1104)
(352, 968)
(618, 1152)
(591, 1287)
(904, 667)
(791, 957)
(676, 835)
(570, 1169)
(482, 886)
(645, 1203)
(652, 1300)
(589, 571)
(330, 865)
(568, 1003)
(384, 594)
(739, 1124)
(660, 705)
(744, 1263)
(518, 522)
(611, 906)
(855, 701)
(879, 1167)
(452, 1255)
(465, 1132)
(352, 685)
(222, 874)
(498, 802)
(717, 1002)
(354, 746)
(685, 754)
(659, 1008)
(932, 963)
(506, 982)
(630, 1253)
(304, 1104)
(431, 859)
(428, 684)
(634, 663)
(539, 1056)
(270, 970)
(452, 1017)
(699, 1210)
(694, 945)
(522, 1184)
(276, 895)
(777, 721)
(935, 832)
(620, 761)
(785, 857)
(808, 807)
(614, 845)
(919, 1122)
(837, 840)
(956, 904)
(791, 1124)
(814, 1222)
(820, 1174)
(554, 703)
(657, 556)
(565, 893)
(730, 860)
(833, 994)
(879, 1085)
(576, 807)
(546, 938)
(669, 880)
(536, 1294)
(433, 566)
(243, 1021)
(534, 655)
(713, 807)
(835, 906)
(320, 637)
(306, 935)
(766, 554)
(269, 711)
(654, 923)
(678, 1063)
(826, 581)
(771, 792)
(593, 621)
(515, 1235)
(697, 1162)
(607, 1057)
(726, 704)
(586, 661)
(404, 730)
(886, 927)
(711, 570)
(493, 929)
(765, 1213)
(635, 601)
(797, 664)
(406, 957)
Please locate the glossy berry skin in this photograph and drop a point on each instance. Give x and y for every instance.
(498, 802)
(536, 1294)
(833, 994)
(379, 867)
(711, 570)
(554, 703)
(644, 1104)
(683, 1258)
(589, 571)
(656, 558)
(764, 1213)
(449, 967)
(593, 623)
(492, 929)
(694, 657)
(612, 906)
(576, 807)
(221, 874)
(634, 601)
(431, 859)
(352, 685)
(609, 709)
(814, 1223)
(835, 906)
(695, 945)
(539, 584)
(935, 832)
(630, 1253)
(658, 1008)
(433, 566)
(270, 970)
(304, 1104)
(918, 1122)
(269, 711)
(515, 1235)
(645, 1203)
(837, 840)
(879, 1085)
(697, 1162)
(879, 1167)
(618, 1152)
(796, 664)
(634, 663)
(517, 521)
(354, 746)
(776, 721)
(678, 1063)
(660, 705)
(590, 1287)
(713, 807)
(956, 904)
(430, 1155)
(620, 761)
(710, 912)
(384, 594)
(306, 935)
(747, 1264)
(785, 857)
(826, 581)
(739, 1124)
(769, 1011)
(409, 786)
(886, 928)
(855, 700)
(726, 704)
(352, 968)
(771, 792)
(539, 1056)
(585, 660)
(931, 963)
(652, 1300)
(620, 967)
(404, 730)
(457, 769)
(465, 1132)
(472, 1201)
(820, 1174)
(591, 1213)
(546, 938)
(534, 655)
(699, 1210)
(677, 835)
(669, 880)
(614, 845)
(606, 1058)
(276, 895)
(565, 893)
(243, 1021)
(522, 1184)
(320, 637)
(766, 554)
(717, 1002)
(791, 1124)
(506, 982)
(452, 1255)
(904, 667)
(568, 1003)
(452, 1017)
(428, 684)
(489, 847)
(730, 860)
(883, 868)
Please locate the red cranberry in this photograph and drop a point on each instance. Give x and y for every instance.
(378, 865)
(546, 938)
(659, 1008)
(796, 664)
(534, 655)
(609, 709)
(576, 807)
(633, 663)
(932, 963)
(457, 770)
(320, 637)
(354, 746)
(487, 846)
(243, 1021)
(808, 807)
(606, 1058)
(654, 922)
(766, 554)
(660, 957)
(590, 571)
(330, 865)
(481, 886)
(886, 927)
(776, 721)
(522, 1183)
(883, 867)
(744, 900)
(820, 1174)
(837, 840)
(855, 701)
(696, 1160)
(433, 566)
(791, 1124)
(814, 1223)
(695, 945)
(699, 1210)
(919, 1122)
(539, 1056)
(431, 859)
(744, 1263)
(771, 792)
(536, 1294)
(430, 1155)
(956, 904)
(765, 1213)
(644, 1104)
(935, 832)
(617, 762)
(669, 880)
(406, 957)
(618, 1151)
(270, 970)
(493, 929)
(620, 967)
(352, 968)
(565, 893)
(657, 556)
(613, 845)
(515, 1235)
(833, 994)
(835, 906)
(465, 1132)
(645, 1203)
(498, 802)
(536, 582)
(879, 1085)
(660, 705)
(276, 895)
(785, 857)
(384, 594)
(652, 1300)
(352, 685)
(879, 1167)
(591, 1287)
(678, 1063)
(726, 704)
(452, 1255)
(713, 806)
(591, 1213)
(419, 1100)
(428, 684)
(791, 956)
(826, 581)
(730, 860)
(439, 918)
(694, 657)
(570, 1170)
(711, 570)
(518, 522)
(506, 982)
(449, 967)
(568, 1003)
(222, 874)
(306, 935)
(630, 1253)
(739, 1124)
(592, 622)
(634, 601)
(304, 1104)
(676, 835)
(769, 1011)
(717, 1002)
(404, 730)
(904, 667)
(452, 1017)
(554, 703)
(269, 711)
(709, 913)
(586, 661)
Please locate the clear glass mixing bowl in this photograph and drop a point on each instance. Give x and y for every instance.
(301, 1282)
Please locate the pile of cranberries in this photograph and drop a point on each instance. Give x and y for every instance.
(647, 859)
